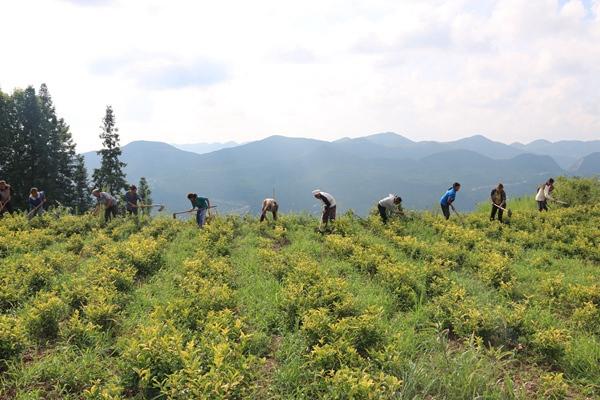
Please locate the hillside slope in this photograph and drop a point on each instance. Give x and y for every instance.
(418, 308)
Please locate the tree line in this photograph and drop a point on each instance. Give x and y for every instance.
(37, 150)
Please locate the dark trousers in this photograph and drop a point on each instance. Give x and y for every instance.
(263, 216)
(110, 212)
(7, 208)
(543, 205)
(446, 210)
(328, 214)
(132, 211)
(382, 213)
(494, 211)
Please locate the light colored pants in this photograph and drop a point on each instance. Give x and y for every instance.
(201, 217)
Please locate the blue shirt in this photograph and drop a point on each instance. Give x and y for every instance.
(448, 197)
(36, 201)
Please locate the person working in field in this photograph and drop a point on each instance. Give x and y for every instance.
(269, 205)
(35, 202)
(388, 206)
(448, 199)
(498, 197)
(109, 203)
(201, 205)
(329, 206)
(544, 194)
(5, 204)
(132, 198)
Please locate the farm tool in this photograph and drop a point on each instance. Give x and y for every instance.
(457, 213)
(160, 206)
(34, 211)
(175, 214)
(507, 210)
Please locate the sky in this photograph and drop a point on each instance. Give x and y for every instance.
(213, 71)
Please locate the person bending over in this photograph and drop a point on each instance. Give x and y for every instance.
(447, 200)
(269, 205)
(389, 205)
(201, 205)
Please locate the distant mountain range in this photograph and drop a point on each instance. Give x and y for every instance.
(356, 171)
(203, 148)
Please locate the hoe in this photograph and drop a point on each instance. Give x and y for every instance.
(160, 206)
(175, 214)
(507, 210)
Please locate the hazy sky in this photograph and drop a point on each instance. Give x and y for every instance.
(198, 71)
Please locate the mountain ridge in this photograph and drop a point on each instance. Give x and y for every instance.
(238, 178)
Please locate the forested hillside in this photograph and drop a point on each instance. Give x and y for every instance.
(418, 308)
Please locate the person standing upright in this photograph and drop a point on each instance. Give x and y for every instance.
(498, 197)
(5, 198)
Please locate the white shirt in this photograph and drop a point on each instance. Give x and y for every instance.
(269, 204)
(106, 198)
(543, 194)
(388, 202)
(329, 198)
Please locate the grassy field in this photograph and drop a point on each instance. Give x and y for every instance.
(418, 308)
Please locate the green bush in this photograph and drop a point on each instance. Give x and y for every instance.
(577, 191)
(42, 317)
(12, 339)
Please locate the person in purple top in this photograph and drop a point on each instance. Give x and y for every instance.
(448, 198)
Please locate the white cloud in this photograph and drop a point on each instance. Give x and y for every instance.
(237, 70)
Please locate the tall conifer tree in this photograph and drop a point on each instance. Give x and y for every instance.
(145, 193)
(110, 175)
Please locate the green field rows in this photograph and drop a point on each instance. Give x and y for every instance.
(418, 308)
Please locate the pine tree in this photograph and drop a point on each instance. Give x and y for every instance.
(64, 164)
(38, 150)
(7, 135)
(110, 176)
(81, 196)
(29, 165)
(145, 193)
